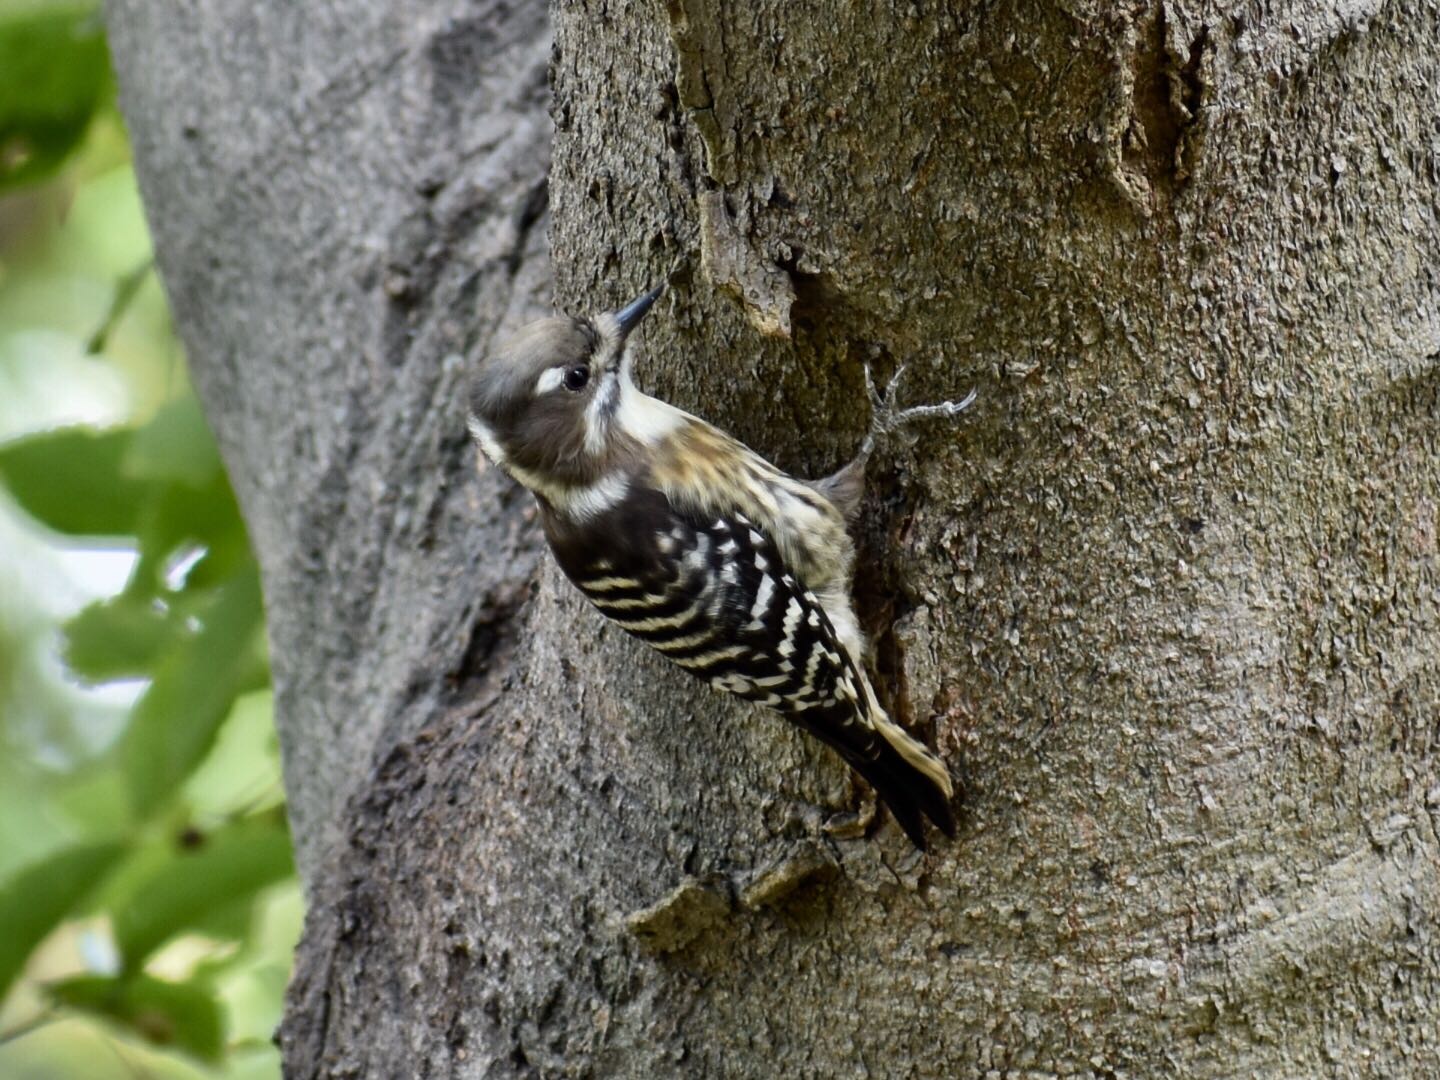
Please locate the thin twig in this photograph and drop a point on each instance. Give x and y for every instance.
(124, 294)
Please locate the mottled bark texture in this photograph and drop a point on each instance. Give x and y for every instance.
(1167, 599)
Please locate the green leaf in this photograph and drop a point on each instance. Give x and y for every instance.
(199, 886)
(225, 555)
(70, 480)
(228, 922)
(175, 721)
(175, 445)
(181, 1015)
(120, 637)
(53, 77)
(243, 768)
(180, 515)
(36, 899)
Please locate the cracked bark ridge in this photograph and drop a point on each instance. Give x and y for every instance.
(1168, 597)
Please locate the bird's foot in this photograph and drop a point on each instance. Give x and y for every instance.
(886, 420)
(850, 824)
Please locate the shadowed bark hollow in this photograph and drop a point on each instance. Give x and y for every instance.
(1168, 600)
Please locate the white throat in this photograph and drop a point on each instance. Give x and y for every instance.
(645, 419)
(578, 502)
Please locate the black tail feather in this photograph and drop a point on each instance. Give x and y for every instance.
(908, 793)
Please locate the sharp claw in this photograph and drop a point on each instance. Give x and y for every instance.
(894, 384)
(870, 386)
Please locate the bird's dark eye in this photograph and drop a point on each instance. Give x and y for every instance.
(576, 377)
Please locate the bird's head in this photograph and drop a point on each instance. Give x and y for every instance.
(544, 405)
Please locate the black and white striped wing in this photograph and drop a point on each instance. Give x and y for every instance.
(715, 597)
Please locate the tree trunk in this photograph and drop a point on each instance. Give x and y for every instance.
(1168, 600)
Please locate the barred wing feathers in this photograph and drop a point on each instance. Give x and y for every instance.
(715, 597)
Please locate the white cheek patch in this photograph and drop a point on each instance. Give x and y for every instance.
(597, 415)
(645, 419)
(481, 433)
(550, 379)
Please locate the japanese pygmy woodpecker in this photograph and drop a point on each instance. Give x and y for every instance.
(698, 546)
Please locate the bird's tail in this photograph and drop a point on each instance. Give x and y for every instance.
(909, 793)
(909, 779)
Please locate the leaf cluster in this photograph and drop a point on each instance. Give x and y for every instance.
(179, 831)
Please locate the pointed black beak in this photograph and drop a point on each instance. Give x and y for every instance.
(630, 315)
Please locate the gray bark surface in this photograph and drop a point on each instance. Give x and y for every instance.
(1168, 600)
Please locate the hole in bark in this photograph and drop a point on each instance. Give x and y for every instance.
(1166, 99)
(488, 630)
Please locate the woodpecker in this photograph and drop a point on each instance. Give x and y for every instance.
(693, 543)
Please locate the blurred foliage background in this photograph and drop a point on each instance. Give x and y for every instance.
(148, 906)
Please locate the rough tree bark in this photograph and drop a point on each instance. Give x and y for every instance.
(1168, 602)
